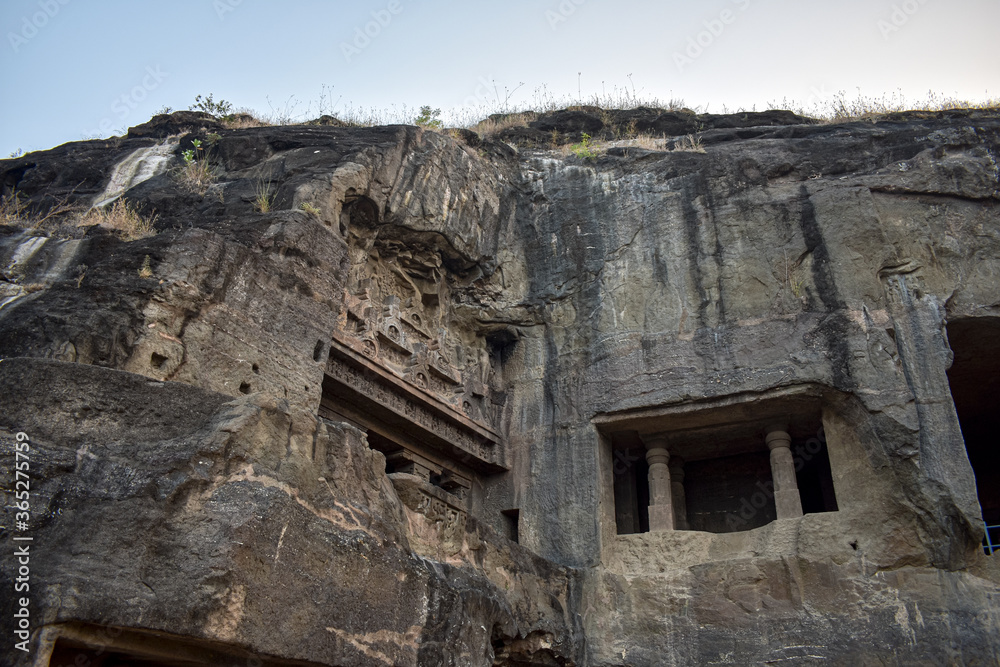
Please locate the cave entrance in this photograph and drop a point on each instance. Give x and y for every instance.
(106, 646)
(974, 377)
(716, 471)
(357, 211)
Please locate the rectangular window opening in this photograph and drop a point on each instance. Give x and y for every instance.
(511, 520)
(720, 474)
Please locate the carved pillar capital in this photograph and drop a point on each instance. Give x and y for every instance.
(777, 436)
(655, 441)
(657, 456)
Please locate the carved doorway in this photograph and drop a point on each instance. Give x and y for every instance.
(974, 377)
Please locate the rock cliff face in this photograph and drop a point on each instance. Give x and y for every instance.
(448, 401)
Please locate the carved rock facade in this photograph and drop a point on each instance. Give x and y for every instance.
(487, 406)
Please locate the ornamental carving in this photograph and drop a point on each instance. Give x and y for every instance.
(403, 357)
(397, 318)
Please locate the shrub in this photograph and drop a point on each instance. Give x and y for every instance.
(429, 118)
(220, 109)
(586, 148)
(196, 174)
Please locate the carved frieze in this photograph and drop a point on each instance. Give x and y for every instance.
(394, 335)
(401, 355)
(441, 508)
(405, 403)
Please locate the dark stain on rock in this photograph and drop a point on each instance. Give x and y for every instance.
(835, 327)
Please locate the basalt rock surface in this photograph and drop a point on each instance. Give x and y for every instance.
(395, 415)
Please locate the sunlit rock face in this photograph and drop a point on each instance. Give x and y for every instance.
(724, 393)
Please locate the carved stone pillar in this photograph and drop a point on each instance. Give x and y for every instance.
(677, 493)
(786, 488)
(661, 511)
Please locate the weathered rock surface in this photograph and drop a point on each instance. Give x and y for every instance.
(202, 475)
(171, 509)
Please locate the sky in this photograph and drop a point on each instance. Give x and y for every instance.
(76, 69)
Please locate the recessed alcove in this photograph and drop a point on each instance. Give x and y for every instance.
(107, 646)
(511, 524)
(975, 387)
(718, 465)
(357, 210)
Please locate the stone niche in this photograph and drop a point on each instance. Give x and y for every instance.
(413, 371)
(732, 466)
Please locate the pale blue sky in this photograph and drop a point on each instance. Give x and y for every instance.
(79, 68)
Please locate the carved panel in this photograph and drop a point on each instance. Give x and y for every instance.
(441, 508)
(411, 407)
(405, 356)
(396, 333)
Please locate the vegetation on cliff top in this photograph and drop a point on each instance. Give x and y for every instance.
(490, 115)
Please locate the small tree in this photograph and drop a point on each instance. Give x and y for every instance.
(221, 109)
(429, 118)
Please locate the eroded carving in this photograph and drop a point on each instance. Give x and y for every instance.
(434, 503)
(398, 312)
(370, 385)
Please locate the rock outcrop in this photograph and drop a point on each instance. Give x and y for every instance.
(400, 414)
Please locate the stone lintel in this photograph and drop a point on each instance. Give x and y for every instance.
(390, 400)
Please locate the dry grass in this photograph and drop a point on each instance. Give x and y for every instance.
(839, 108)
(243, 119)
(146, 270)
(645, 141)
(13, 212)
(871, 108)
(649, 142)
(515, 108)
(263, 200)
(689, 144)
(196, 176)
(491, 127)
(122, 218)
